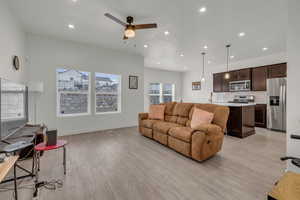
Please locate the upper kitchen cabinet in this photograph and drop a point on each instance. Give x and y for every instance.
(218, 82)
(240, 75)
(234, 75)
(277, 70)
(259, 78)
(244, 74)
(225, 83)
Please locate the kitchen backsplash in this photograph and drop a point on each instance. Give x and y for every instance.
(260, 97)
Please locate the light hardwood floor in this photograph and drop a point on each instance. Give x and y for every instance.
(123, 165)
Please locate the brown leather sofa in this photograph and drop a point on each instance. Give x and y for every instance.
(175, 131)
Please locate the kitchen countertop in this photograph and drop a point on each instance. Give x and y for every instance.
(234, 104)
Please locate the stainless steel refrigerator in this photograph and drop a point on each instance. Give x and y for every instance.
(276, 109)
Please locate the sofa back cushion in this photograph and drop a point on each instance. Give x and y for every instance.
(221, 114)
(157, 112)
(201, 117)
(169, 117)
(182, 110)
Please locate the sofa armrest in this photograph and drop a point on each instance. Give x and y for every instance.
(209, 129)
(143, 116)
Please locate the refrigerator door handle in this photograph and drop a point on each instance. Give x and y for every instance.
(284, 108)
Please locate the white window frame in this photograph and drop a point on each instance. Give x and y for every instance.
(23, 117)
(161, 95)
(119, 96)
(58, 96)
(173, 92)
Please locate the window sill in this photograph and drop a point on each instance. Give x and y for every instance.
(107, 113)
(73, 115)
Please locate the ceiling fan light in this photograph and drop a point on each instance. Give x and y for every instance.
(129, 32)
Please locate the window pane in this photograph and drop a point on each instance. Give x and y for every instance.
(73, 103)
(167, 98)
(154, 88)
(72, 80)
(12, 100)
(106, 103)
(107, 92)
(154, 100)
(73, 91)
(167, 88)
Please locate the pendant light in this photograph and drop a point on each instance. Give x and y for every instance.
(203, 77)
(227, 74)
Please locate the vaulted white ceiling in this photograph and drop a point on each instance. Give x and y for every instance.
(263, 21)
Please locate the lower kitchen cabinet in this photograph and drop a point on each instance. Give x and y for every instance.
(261, 115)
(241, 121)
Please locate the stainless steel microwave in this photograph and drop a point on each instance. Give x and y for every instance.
(236, 86)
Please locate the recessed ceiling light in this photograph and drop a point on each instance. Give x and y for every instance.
(205, 47)
(202, 9)
(242, 34)
(231, 57)
(182, 55)
(145, 46)
(158, 63)
(167, 33)
(265, 48)
(71, 26)
(209, 62)
(74, 1)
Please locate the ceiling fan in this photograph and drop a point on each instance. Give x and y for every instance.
(130, 29)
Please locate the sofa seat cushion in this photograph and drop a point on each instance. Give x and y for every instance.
(182, 133)
(148, 123)
(164, 127)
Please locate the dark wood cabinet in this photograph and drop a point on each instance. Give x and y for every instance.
(259, 78)
(241, 121)
(277, 70)
(218, 82)
(257, 75)
(244, 74)
(261, 115)
(225, 83)
(234, 75)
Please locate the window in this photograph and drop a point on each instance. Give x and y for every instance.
(13, 101)
(73, 92)
(107, 93)
(161, 93)
(168, 92)
(154, 93)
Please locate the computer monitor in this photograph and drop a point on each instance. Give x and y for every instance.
(14, 107)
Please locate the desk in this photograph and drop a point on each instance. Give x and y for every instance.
(5, 167)
(287, 188)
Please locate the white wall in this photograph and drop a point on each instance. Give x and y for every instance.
(46, 55)
(12, 42)
(207, 86)
(161, 76)
(293, 91)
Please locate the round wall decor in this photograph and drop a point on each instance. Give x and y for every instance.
(16, 63)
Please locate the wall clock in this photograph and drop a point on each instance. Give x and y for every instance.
(16, 63)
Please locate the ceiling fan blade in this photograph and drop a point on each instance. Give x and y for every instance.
(145, 26)
(115, 19)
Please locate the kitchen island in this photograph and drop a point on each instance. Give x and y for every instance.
(241, 121)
